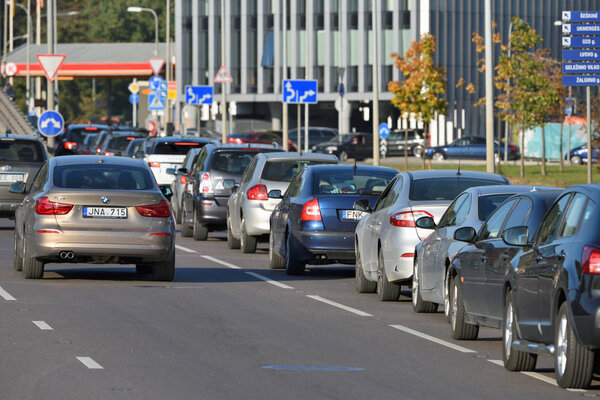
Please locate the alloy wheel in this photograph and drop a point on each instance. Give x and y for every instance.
(562, 345)
(508, 330)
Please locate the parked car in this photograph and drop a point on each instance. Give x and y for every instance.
(433, 255)
(204, 205)
(85, 209)
(135, 148)
(68, 142)
(469, 147)
(579, 155)
(354, 145)
(387, 237)
(316, 135)
(116, 142)
(261, 137)
(249, 208)
(180, 183)
(414, 142)
(21, 156)
(314, 222)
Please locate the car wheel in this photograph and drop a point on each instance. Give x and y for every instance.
(275, 260)
(232, 242)
(247, 242)
(459, 328)
(386, 290)
(514, 360)
(293, 266)
(177, 213)
(437, 156)
(186, 230)
(573, 363)
(420, 305)
(576, 160)
(343, 156)
(363, 285)
(165, 270)
(417, 151)
(18, 256)
(200, 232)
(143, 269)
(32, 268)
(446, 292)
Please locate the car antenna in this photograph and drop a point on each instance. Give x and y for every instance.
(354, 167)
(458, 171)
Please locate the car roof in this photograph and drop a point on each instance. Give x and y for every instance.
(241, 146)
(446, 173)
(343, 168)
(295, 155)
(182, 138)
(93, 159)
(99, 126)
(12, 136)
(501, 189)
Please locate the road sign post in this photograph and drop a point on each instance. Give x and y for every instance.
(223, 77)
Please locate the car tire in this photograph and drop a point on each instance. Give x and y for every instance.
(247, 242)
(177, 214)
(514, 359)
(275, 260)
(577, 160)
(143, 269)
(343, 156)
(199, 231)
(417, 151)
(165, 270)
(386, 290)
(446, 293)
(293, 266)
(437, 156)
(18, 256)
(573, 363)
(186, 230)
(459, 328)
(232, 242)
(32, 268)
(420, 305)
(363, 285)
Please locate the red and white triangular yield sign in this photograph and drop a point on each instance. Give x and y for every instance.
(223, 75)
(51, 64)
(156, 64)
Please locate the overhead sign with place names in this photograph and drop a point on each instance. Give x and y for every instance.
(300, 91)
(584, 49)
(577, 41)
(581, 16)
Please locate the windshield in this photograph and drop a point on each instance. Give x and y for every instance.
(120, 142)
(232, 162)
(102, 176)
(20, 150)
(446, 188)
(488, 203)
(286, 170)
(178, 148)
(347, 182)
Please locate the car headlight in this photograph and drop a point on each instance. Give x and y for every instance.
(331, 148)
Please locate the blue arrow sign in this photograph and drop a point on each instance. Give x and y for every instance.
(581, 68)
(155, 82)
(134, 98)
(581, 80)
(384, 130)
(581, 16)
(155, 102)
(581, 55)
(300, 91)
(198, 94)
(51, 123)
(577, 41)
(575, 29)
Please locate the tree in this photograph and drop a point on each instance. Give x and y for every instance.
(420, 92)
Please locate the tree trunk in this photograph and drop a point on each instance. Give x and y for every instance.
(405, 147)
(523, 152)
(562, 156)
(543, 150)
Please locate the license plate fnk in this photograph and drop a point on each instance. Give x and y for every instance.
(353, 215)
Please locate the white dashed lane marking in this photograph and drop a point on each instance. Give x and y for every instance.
(5, 295)
(338, 305)
(185, 249)
(433, 339)
(89, 362)
(269, 280)
(225, 263)
(42, 325)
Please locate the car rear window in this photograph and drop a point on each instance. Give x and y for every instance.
(488, 203)
(79, 134)
(446, 188)
(232, 162)
(102, 176)
(286, 170)
(178, 148)
(21, 150)
(120, 142)
(347, 182)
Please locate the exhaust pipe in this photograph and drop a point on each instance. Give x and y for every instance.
(66, 255)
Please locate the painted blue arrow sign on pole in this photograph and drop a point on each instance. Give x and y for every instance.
(51, 123)
(384, 130)
(134, 98)
(155, 82)
(581, 55)
(300, 91)
(198, 94)
(155, 102)
(581, 16)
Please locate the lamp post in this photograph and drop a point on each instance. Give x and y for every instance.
(140, 9)
(27, 84)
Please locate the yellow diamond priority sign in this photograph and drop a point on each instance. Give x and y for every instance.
(133, 87)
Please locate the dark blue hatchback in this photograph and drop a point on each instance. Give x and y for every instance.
(315, 221)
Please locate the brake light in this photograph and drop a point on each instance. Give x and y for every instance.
(411, 255)
(234, 140)
(154, 164)
(205, 184)
(44, 206)
(108, 153)
(590, 259)
(406, 219)
(98, 150)
(70, 145)
(90, 128)
(183, 179)
(257, 192)
(186, 144)
(160, 210)
(512, 148)
(311, 211)
(130, 138)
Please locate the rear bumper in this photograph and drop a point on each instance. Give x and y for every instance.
(325, 247)
(256, 219)
(211, 212)
(586, 315)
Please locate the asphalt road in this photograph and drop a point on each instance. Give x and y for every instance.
(230, 328)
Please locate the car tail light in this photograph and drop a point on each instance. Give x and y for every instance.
(205, 184)
(234, 140)
(183, 179)
(311, 211)
(411, 255)
(70, 145)
(108, 153)
(90, 128)
(590, 260)
(98, 150)
(154, 164)
(406, 219)
(512, 148)
(44, 206)
(160, 210)
(86, 151)
(258, 192)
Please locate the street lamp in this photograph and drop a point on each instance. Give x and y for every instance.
(135, 9)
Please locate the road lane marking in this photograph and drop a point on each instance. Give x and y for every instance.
(269, 280)
(88, 362)
(43, 326)
(225, 263)
(540, 377)
(185, 249)
(5, 295)
(338, 305)
(433, 339)
(497, 362)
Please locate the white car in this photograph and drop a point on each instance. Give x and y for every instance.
(386, 239)
(249, 208)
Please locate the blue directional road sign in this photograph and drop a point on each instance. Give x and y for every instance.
(134, 98)
(155, 102)
(300, 91)
(574, 29)
(581, 55)
(51, 123)
(163, 90)
(581, 80)
(581, 68)
(384, 131)
(198, 94)
(155, 82)
(577, 41)
(581, 16)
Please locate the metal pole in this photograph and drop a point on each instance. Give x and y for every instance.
(155, 32)
(223, 87)
(589, 133)
(134, 116)
(375, 86)
(569, 137)
(11, 28)
(507, 93)
(38, 40)
(5, 36)
(28, 84)
(284, 75)
(168, 61)
(299, 127)
(50, 41)
(489, 96)
(307, 75)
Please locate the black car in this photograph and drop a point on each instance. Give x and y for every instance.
(21, 156)
(316, 135)
(354, 145)
(84, 148)
(413, 140)
(204, 205)
(69, 141)
(135, 148)
(116, 142)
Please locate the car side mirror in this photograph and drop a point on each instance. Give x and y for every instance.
(229, 184)
(362, 205)
(167, 192)
(139, 154)
(425, 223)
(465, 234)
(17, 187)
(171, 171)
(181, 171)
(516, 236)
(274, 194)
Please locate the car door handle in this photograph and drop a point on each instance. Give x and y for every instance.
(539, 258)
(561, 255)
(482, 258)
(505, 256)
